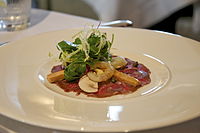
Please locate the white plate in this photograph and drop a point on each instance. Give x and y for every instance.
(173, 95)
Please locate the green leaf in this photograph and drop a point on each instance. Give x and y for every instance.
(93, 39)
(67, 46)
(77, 41)
(74, 70)
(80, 56)
(93, 51)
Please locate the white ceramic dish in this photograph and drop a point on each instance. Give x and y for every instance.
(172, 97)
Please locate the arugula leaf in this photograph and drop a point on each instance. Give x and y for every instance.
(67, 46)
(80, 56)
(93, 39)
(74, 70)
(77, 41)
(93, 51)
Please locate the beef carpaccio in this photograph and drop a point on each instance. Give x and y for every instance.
(89, 68)
(112, 86)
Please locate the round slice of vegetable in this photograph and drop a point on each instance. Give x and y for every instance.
(88, 85)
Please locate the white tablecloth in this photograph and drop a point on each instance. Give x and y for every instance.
(44, 21)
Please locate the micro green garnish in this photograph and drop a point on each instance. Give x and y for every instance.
(89, 46)
(50, 54)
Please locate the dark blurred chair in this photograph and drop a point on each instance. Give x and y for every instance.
(190, 26)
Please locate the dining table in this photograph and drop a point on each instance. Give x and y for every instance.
(42, 21)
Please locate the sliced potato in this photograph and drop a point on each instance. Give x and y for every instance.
(126, 78)
(57, 76)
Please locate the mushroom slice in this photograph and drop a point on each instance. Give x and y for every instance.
(88, 85)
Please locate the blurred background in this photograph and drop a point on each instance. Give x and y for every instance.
(175, 16)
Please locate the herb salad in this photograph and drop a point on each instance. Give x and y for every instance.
(90, 46)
